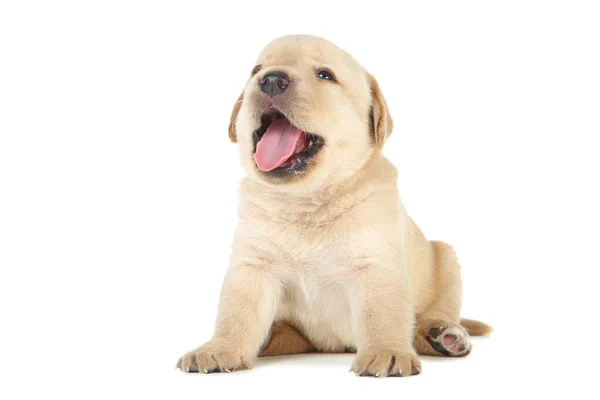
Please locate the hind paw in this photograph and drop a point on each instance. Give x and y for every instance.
(447, 338)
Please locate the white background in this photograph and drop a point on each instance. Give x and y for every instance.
(118, 188)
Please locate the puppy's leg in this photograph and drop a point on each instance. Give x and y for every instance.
(286, 339)
(383, 311)
(249, 300)
(438, 331)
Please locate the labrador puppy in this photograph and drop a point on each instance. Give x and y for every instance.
(325, 257)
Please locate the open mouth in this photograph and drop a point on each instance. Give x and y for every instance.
(280, 148)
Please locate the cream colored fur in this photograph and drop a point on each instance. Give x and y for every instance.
(331, 252)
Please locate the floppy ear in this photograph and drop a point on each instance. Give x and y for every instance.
(234, 114)
(381, 120)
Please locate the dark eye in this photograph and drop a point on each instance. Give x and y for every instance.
(256, 69)
(324, 74)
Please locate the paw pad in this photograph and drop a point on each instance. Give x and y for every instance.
(451, 341)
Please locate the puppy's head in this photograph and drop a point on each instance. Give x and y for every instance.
(309, 115)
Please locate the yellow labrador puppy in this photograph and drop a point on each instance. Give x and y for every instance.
(325, 257)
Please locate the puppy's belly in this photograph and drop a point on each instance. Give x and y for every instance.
(321, 313)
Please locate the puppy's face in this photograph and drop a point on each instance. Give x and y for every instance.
(309, 115)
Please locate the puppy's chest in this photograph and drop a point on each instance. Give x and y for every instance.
(316, 260)
(311, 250)
(316, 299)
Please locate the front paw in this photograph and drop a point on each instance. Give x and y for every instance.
(213, 356)
(383, 363)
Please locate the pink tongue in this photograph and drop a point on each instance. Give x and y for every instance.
(279, 142)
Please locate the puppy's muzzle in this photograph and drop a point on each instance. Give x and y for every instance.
(274, 83)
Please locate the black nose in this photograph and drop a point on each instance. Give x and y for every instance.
(274, 83)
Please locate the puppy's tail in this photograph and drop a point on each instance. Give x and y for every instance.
(475, 328)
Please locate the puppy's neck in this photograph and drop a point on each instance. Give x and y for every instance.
(322, 205)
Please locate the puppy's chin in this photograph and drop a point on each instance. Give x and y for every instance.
(282, 152)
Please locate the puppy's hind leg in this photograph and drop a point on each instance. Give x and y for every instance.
(438, 330)
(286, 339)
